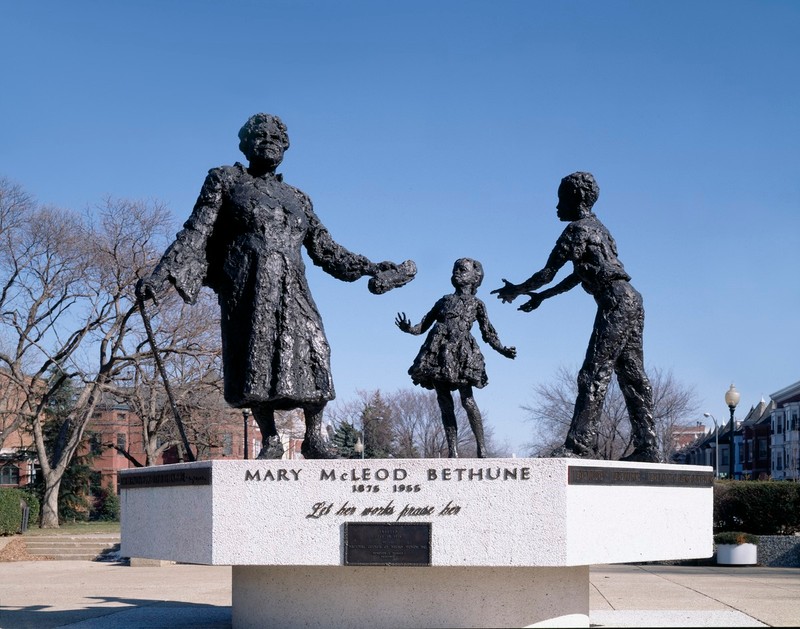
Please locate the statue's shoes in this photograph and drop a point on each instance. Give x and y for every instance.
(316, 451)
(272, 448)
(566, 453)
(648, 454)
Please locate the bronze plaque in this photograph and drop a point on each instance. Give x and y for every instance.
(387, 544)
(584, 475)
(153, 477)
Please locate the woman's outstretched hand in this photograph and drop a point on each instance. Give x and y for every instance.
(509, 352)
(388, 276)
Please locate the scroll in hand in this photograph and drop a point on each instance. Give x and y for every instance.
(394, 277)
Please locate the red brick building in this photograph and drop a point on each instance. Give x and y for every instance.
(116, 440)
(17, 454)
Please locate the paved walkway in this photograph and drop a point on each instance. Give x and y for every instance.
(98, 595)
(694, 596)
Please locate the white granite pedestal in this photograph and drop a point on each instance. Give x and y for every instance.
(415, 543)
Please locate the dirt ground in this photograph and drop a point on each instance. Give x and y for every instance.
(14, 549)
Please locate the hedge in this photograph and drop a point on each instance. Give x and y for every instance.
(11, 509)
(757, 507)
(35, 507)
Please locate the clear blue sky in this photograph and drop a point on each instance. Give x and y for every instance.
(438, 130)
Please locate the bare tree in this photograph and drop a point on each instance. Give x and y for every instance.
(188, 343)
(207, 417)
(17, 211)
(416, 426)
(67, 311)
(673, 403)
(551, 413)
(419, 425)
(47, 269)
(414, 420)
(373, 417)
(554, 402)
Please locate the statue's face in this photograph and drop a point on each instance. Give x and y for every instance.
(265, 143)
(465, 274)
(568, 208)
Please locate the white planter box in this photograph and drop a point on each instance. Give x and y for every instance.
(737, 554)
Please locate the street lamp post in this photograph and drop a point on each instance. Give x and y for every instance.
(731, 399)
(361, 446)
(246, 412)
(716, 443)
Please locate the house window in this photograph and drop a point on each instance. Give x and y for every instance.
(122, 441)
(95, 446)
(762, 448)
(227, 444)
(9, 475)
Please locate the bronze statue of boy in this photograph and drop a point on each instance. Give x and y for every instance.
(616, 341)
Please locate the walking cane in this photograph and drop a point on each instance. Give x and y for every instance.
(149, 330)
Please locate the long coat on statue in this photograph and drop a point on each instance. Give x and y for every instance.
(244, 240)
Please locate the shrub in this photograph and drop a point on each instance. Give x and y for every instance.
(757, 507)
(29, 496)
(11, 509)
(106, 506)
(735, 537)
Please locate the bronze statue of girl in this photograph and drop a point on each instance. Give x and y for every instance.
(450, 358)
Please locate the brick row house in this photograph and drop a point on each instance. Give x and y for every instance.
(785, 434)
(17, 460)
(17, 453)
(766, 443)
(114, 438)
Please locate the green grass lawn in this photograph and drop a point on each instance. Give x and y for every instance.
(77, 528)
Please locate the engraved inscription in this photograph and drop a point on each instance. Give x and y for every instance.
(387, 544)
(580, 475)
(322, 509)
(133, 479)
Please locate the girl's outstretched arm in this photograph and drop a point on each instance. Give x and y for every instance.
(489, 334)
(402, 322)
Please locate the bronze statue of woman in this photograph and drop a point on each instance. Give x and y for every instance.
(244, 240)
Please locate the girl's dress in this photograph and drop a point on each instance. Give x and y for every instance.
(450, 356)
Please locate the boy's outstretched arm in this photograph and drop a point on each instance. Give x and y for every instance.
(558, 258)
(568, 283)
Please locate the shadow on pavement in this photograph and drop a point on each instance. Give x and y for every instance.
(115, 612)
